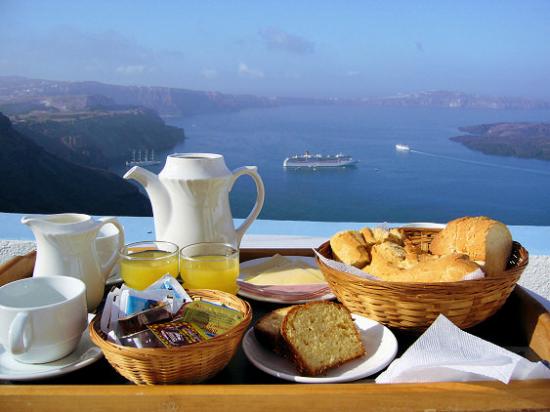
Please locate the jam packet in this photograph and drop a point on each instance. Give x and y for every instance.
(212, 318)
(177, 333)
(143, 339)
(138, 322)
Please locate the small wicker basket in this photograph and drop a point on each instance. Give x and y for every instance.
(414, 306)
(188, 364)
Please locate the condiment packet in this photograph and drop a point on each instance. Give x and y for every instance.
(106, 314)
(143, 339)
(177, 333)
(134, 301)
(213, 319)
(177, 291)
(139, 321)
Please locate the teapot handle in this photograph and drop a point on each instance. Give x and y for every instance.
(260, 196)
(108, 266)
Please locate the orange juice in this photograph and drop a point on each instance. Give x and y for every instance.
(210, 272)
(141, 269)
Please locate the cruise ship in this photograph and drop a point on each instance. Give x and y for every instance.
(315, 161)
(402, 147)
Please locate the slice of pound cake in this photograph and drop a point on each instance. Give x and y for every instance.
(321, 335)
(268, 331)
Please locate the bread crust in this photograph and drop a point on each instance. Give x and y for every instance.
(483, 239)
(350, 247)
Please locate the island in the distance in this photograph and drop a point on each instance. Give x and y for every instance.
(526, 140)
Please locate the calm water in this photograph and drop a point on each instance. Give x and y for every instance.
(437, 181)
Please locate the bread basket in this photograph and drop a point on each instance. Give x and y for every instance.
(414, 306)
(187, 364)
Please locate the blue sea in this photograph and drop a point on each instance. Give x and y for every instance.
(437, 181)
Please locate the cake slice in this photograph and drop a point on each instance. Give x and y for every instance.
(268, 331)
(321, 335)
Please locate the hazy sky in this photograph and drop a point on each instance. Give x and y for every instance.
(285, 48)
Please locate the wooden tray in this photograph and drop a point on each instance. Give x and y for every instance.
(522, 325)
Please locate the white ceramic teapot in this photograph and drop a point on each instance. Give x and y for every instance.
(190, 198)
(66, 246)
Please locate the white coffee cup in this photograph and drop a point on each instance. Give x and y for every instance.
(42, 318)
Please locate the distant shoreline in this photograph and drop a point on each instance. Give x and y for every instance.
(519, 139)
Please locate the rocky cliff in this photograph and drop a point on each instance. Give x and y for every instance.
(36, 181)
(98, 137)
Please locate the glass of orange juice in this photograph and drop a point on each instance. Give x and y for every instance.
(210, 266)
(142, 263)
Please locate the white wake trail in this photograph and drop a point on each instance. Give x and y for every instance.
(486, 164)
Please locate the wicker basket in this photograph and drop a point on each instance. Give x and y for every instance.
(188, 364)
(414, 306)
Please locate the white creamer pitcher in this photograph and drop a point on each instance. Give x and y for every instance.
(65, 246)
(190, 198)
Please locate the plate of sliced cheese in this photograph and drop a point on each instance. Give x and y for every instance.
(283, 279)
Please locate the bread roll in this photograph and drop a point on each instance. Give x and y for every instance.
(449, 268)
(350, 247)
(484, 240)
(385, 261)
(390, 252)
(380, 235)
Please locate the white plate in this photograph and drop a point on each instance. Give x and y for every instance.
(380, 344)
(262, 298)
(85, 354)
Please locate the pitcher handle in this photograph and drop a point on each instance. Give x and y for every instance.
(252, 171)
(108, 266)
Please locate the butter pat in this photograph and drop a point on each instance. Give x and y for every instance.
(280, 270)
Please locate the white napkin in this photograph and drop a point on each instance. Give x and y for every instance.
(446, 353)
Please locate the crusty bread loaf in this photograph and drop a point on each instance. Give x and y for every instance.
(349, 247)
(380, 235)
(390, 252)
(321, 335)
(448, 268)
(386, 260)
(484, 240)
(268, 331)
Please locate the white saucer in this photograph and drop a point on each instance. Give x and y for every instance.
(85, 354)
(263, 298)
(380, 344)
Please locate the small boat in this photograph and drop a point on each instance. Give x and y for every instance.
(314, 161)
(402, 147)
(147, 159)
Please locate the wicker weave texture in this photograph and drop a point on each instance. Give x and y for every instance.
(414, 306)
(188, 364)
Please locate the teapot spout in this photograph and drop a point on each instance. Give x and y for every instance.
(158, 195)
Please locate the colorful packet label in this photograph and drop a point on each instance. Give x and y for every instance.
(139, 321)
(212, 318)
(177, 333)
(143, 339)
